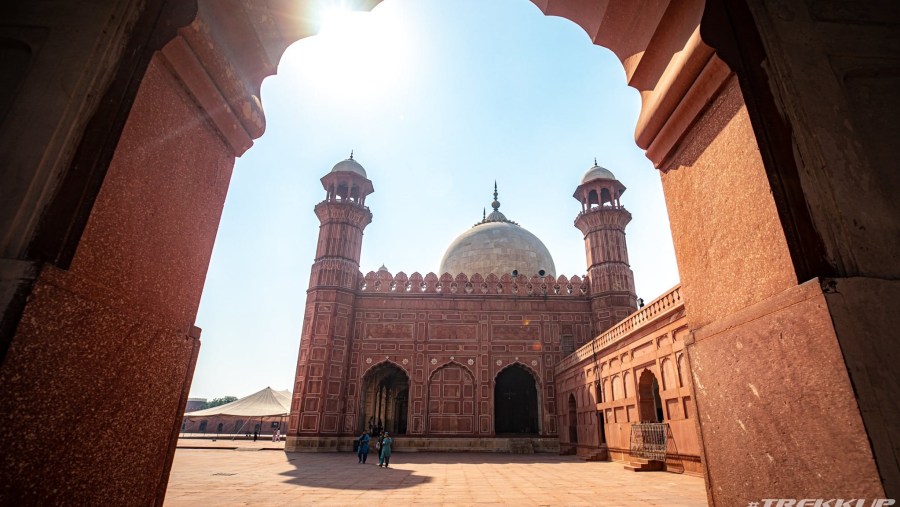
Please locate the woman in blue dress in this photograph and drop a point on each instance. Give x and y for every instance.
(386, 449)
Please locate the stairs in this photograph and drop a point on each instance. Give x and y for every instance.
(600, 455)
(567, 450)
(521, 446)
(643, 465)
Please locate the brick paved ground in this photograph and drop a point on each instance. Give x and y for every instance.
(251, 475)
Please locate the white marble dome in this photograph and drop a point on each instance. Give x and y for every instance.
(349, 165)
(499, 248)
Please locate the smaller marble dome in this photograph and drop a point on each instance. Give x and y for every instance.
(597, 173)
(349, 166)
(383, 268)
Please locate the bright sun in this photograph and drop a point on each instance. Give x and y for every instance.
(358, 55)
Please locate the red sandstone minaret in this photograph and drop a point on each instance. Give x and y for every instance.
(603, 220)
(316, 410)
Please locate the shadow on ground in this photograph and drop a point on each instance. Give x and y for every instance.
(342, 470)
(450, 458)
(249, 477)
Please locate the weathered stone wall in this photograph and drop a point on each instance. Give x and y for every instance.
(129, 297)
(117, 141)
(754, 330)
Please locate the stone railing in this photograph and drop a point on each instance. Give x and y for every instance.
(668, 302)
(476, 285)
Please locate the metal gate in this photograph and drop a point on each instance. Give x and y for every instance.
(648, 440)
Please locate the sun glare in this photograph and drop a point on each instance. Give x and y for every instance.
(336, 15)
(358, 55)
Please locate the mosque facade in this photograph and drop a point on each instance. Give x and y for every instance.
(498, 352)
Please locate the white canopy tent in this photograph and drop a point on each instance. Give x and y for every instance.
(267, 404)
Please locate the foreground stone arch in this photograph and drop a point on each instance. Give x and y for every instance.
(811, 256)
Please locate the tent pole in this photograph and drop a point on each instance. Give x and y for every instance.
(243, 423)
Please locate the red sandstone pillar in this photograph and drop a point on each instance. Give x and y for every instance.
(788, 278)
(110, 206)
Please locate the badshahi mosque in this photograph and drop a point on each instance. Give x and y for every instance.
(495, 352)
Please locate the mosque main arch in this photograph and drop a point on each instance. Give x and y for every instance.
(732, 116)
(384, 399)
(517, 407)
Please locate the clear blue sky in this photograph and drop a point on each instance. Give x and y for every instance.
(437, 99)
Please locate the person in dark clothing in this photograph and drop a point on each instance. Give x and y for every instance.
(378, 444)
(363, 452)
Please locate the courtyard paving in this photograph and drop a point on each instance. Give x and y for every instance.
(247, 473)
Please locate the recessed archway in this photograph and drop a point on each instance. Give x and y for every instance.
(572, 419)
(649, 402)
(516, 402)
(384, 400)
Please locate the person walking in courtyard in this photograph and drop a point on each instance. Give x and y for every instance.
(378, 442)
(363, 451)
(386, 449)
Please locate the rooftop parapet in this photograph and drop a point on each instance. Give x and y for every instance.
(476, 285)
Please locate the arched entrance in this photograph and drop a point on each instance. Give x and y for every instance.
(573, 420)
(515, 402)
(385, 399)
(649, 402)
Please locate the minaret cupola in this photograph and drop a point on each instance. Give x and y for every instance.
(599, 187)
(347, 181)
